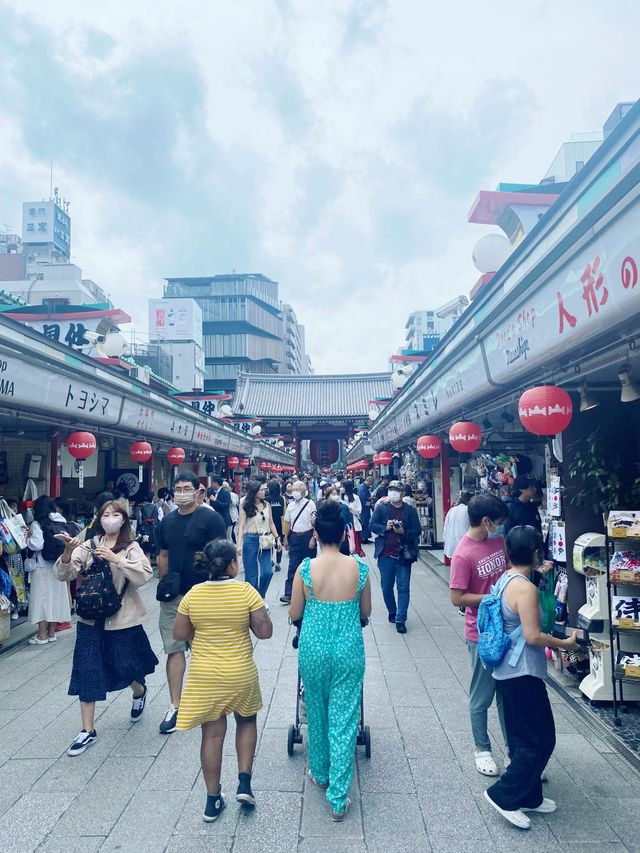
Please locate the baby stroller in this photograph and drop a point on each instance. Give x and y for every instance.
(294, 734)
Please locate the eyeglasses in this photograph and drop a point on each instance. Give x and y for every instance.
(184, 491)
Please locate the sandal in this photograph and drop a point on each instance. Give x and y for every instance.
(338, 817)
(485, 764)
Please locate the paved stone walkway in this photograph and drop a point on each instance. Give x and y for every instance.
(138, 791)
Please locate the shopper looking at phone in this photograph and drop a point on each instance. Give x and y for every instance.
(397, 529)
(527, 711)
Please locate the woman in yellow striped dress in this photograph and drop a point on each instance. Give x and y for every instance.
(215, 616)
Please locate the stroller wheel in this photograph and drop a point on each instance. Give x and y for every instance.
(291, 739)
(367, 742)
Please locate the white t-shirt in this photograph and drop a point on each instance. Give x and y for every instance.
(456, 525)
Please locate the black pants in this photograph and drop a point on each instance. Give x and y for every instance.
(532, 738)
(298, 551)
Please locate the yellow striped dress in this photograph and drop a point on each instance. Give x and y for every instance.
(222, 674)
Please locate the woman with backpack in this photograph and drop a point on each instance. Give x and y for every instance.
(520, 681)
(112, 649)
(49, 600)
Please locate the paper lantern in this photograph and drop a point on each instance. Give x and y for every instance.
(245, 463)
(141, 452)
(324, 452)
(81, 445)
(376, 459)
(465, 436)
(429, 446)
(176, 455)
(545, 410)
(225, 411)
(233, 462)
(263, 466)
(490, 252)
(385, 458)
(256, 430)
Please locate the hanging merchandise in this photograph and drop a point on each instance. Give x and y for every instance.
(554, 505)
(558, 541)
(15, 523)
(81, 445)
(465, 436)
(545, 410)
(30, 496)
(429, 446)
(9, 545)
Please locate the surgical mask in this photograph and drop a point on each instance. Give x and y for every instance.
(334, 497)
(112, 523)
(297, 496)
(395, 497)
(184, 498)
(499, 531)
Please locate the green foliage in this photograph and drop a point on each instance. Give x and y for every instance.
(605, 477)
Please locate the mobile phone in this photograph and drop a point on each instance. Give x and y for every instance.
(63, 536)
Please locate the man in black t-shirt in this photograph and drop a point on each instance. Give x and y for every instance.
(181, 534)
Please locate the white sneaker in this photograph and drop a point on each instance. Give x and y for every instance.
(547, 806)
(485, 764)
(36, 641)
(517, 818)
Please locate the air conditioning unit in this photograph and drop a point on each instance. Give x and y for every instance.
(142, 374)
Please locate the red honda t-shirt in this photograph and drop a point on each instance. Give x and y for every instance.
(475, 567)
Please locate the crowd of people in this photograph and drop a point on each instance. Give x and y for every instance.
(199, 540)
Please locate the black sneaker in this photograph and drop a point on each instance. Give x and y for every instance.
(285, 599)
(401, 628)
(392, 617)
(82, 741)
(170, 721)
(244, 794)
(214, 807)
(137, 706)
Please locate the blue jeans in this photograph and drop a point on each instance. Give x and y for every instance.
(394, 573)
(298, 551)
(481, 692)
(365, 518)
(256, 562)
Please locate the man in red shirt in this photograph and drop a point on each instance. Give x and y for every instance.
(477, 563)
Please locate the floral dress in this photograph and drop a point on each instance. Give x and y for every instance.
(332, 667)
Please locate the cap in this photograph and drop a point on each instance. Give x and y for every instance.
(521, 482)
(395, 484)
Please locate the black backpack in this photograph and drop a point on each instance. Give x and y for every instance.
(96, 597)
(54, 548)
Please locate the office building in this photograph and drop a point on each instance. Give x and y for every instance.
(424, 329)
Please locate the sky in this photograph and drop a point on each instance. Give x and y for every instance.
(333, 146)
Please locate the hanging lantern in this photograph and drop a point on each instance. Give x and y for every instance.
(233, 462)
(465, 436)
(376, 459)
(81, 445)
(385, 458)
(324, 452)
(545, 410)
(263, 466)
(141, 452)
(245, 463)
(429, 446)
(176, 455)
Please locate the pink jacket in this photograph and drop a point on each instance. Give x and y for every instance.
(132, 565)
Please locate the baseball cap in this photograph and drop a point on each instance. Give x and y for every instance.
(395, 484)
(521, 482)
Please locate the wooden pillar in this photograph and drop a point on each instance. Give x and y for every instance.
(297, 449)
(55, 472)
(445, 473)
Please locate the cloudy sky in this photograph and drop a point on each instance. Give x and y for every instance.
(334, 146)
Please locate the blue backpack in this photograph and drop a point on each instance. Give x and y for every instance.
(493, 642)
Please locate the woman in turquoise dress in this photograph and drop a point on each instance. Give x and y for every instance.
(333, 594)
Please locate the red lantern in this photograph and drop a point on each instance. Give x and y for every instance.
(263, 466)
(176, 455)
(81, 445)
(385, 458)
(141, 452)
(429, 446)
(245, 463)
(376, 458)
(233, 462)
(465, 436)
(545, 410)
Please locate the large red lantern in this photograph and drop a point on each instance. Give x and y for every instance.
(325, 452)
(545, 410)
(245, 463)
(465, 436)
(385, 458)
(81, 445)
(429, 446)
(141, 452)
(233, 462)
(176, 455)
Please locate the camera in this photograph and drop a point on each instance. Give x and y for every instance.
(396, 525)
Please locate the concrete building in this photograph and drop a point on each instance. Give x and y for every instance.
(424, 329)
(294, 342)
(175, 332)
(12, 260)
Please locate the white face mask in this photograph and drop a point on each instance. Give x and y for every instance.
(394, 496)
(111, 523)
(334, 497)
(297, 496)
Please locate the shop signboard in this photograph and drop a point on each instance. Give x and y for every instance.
(177, 319)
(595, 291)
(147, 419)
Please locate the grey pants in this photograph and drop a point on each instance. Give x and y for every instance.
(481, 692)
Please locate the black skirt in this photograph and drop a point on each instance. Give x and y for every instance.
(104, 661)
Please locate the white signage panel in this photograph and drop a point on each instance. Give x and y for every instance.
(145, 418)
(175, 320)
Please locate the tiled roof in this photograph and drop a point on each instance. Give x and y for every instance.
(309, 397)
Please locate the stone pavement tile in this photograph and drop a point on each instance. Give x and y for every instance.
(379, 713)
(388, 768)
(16, 778)
(407, 691)
(147, 823)
(324, 845)
(190, 822)
(596, 847)
(396, 657)
(54, 738)
(452, 815)
(273, 769)
(540, 837)
(316, 818)
(70, 844)
(177, 766)
(198, 844)
(447, 844)
(580, 821)
(590, 770)
(391, 817)
(273, 825)
(27, 822)
(8, 714)
(23, 729)
(622, 814)
(143, 738)
(73, 774)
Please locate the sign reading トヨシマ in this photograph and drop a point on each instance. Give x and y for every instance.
(598, 289)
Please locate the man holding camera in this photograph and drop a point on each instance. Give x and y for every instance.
(397, 529)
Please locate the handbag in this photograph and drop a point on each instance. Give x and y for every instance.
(267, 541)
(9, 544)
(351, 539)
(408, 554)
(16, 524)
(168, 587)
(96, 596)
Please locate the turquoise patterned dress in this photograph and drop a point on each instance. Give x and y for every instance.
(331, 664)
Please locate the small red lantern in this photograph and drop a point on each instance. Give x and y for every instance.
(141, 452)
(263, 466)
(245, 463)
(176, 455)
(385, 458)
(465, 436)
(233, 462)
(545, 410)
(81, 445)
(429, 446)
